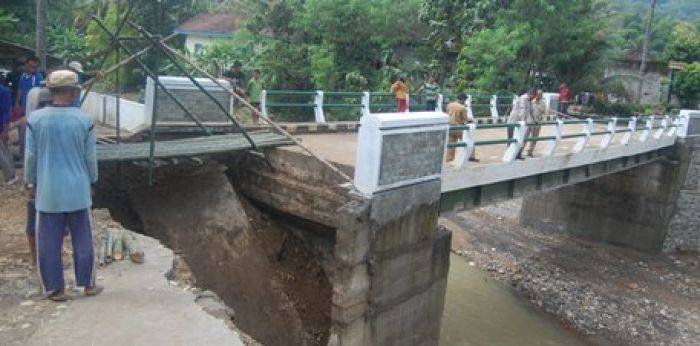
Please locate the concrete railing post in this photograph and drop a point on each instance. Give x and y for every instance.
(514, 148)
(408, 103)
(558, 132)
(669, 129)
(463, 154)
(440, 101)
(318, 109)
(647, 129)
(675, 130)
(104, 109)
(583, 141)
(263, 102)
(365, 103)
(468, 104)
(608, 138)
(660, 131)
(686, 117)
(632, 126)
(494, 107)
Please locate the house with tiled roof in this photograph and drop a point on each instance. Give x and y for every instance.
(206, 28)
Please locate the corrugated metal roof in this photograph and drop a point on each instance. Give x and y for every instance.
(209, 24)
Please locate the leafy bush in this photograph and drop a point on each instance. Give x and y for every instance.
(687, 85)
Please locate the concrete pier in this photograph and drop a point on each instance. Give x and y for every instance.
(650, 208)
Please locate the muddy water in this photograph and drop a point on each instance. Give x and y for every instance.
(481, 311)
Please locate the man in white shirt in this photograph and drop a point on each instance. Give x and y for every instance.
(522, 111)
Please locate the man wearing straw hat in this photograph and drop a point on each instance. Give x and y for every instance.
(60, 164)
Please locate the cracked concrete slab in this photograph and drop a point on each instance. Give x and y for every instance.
(139, 306)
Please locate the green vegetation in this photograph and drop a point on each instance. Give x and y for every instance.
(688, 85)
(470, 45)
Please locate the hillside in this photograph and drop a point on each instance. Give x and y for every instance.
(688, 10)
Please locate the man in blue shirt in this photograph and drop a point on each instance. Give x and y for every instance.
(8, 167)
(61, 162)
(30, 78)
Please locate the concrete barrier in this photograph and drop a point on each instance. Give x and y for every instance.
(399, 149)
(103, 110)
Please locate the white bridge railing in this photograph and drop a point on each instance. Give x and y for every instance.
(616, 138)
(478, 105)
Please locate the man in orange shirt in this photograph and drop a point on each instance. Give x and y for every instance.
(400, 90)
(458, 116)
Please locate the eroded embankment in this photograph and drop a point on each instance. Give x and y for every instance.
(270, 276)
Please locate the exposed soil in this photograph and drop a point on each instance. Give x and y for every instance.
(262, 269)
(613, 294)
(299, 270)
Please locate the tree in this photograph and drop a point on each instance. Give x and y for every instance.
(42, 23)
(450, 23)
(68, 43)
(684, 43)
(97, 40)
(645, 48)
(8, 22)
(558, 39)
(687, 85)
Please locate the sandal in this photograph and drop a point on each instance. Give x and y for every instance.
(59, 296)
(93, 291)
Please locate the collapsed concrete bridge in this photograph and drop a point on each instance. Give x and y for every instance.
(306, 257)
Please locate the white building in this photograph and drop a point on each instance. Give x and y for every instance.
(205, 28)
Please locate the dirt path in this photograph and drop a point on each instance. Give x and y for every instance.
(608, 292)
(140, 305)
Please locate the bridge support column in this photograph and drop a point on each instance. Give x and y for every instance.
(398, 170)
(650, 208)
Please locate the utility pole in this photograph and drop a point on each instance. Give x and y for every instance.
(645, 48)
(41, 24)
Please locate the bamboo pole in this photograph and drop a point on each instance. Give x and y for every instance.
(120, 26)
(102, 74)
(156, 41)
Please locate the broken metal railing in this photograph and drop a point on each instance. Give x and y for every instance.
(158, 42)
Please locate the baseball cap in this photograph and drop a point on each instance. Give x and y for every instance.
(62, 79)
(78, 67)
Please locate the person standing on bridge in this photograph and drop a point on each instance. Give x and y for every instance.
(522, 111)
(564, 99)
(458, 116)
(255, 88)
(400, 90)
(236, 77)
(431, 89)
(539, 110)
(61, 162)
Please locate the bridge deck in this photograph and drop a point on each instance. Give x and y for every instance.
(216, 144)
(341, 147)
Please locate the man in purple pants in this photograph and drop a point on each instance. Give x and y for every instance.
(61, 163)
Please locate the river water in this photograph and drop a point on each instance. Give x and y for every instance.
(482, 311)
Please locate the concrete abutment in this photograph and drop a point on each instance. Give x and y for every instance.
(300, 256)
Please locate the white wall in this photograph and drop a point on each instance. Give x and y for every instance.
(103, 110)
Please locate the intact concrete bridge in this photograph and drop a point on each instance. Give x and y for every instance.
(374, 261)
